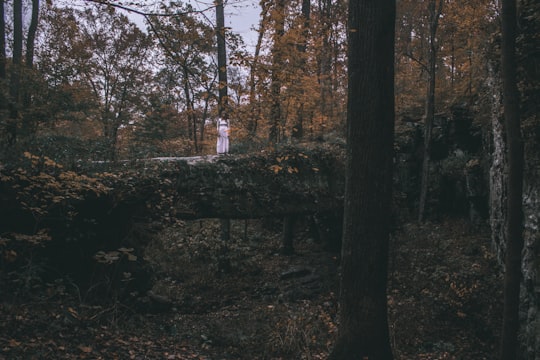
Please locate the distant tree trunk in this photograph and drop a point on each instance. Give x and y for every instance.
(434, 15)
(15, 80)
(192, 122)
(363, 325)
(222, 57)
(325, 61)
(514, 225)
(298, 128)
(254, 103)
(28, 124)
(32, 29)
(275, 86)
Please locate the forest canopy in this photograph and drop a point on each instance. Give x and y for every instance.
(93, 85)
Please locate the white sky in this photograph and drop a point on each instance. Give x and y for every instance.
(240, 15)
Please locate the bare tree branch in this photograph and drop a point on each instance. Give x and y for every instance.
(147, 13)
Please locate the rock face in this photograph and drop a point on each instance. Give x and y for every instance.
(457, 179)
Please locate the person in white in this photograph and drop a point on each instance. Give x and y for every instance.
(223, 136)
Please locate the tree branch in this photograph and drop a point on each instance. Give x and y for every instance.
(410, 56)
(146, 13)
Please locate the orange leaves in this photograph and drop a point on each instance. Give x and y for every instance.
(85, 349)
(289, 164)
(275, 168)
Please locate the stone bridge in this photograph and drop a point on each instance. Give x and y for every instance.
(273, 184)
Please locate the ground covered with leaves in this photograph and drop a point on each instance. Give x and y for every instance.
(245, 300)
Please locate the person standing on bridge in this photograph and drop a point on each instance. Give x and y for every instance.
(223, 135)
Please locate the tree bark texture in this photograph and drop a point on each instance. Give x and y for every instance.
(363, 325)
(514, 225)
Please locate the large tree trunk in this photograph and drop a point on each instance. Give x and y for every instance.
(514, 225)
(363, 325)
(434, 15)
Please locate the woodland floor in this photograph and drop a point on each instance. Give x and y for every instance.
(247, 301)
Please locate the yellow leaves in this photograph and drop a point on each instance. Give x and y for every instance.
(292, 170)
(276, 168)
(288, 168)
(44, 161)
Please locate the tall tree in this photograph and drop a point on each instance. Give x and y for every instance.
(435, 12)
(221, 56)
(298, 128)
(188, 43)
(254, 104)
(115, 70)
(514, 225)
(28, 124)
(15, 76)
(363, 325)
(30, 39)
(223, 93)
(276, 116)
(325, 59)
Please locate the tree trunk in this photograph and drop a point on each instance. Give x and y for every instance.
(3, 74)
(325, 61)
(430, 104)
(254, 103)
(275, 86)
(29, 126)
(15, 81)
(363, 324)
(514, 225)
(222, 57)
(298, 129)
(223, 93)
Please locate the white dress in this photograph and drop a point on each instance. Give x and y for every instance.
(223, 137)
